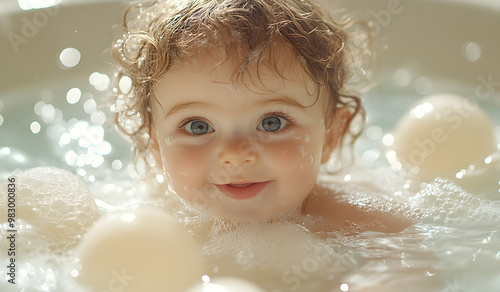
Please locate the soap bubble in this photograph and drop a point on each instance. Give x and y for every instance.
(471, 51)
(442, 135)
(55, 202)
(70, 57)
(146, 247)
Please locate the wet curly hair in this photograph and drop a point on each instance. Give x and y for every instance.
(158, 34)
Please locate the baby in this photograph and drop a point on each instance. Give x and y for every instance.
(240, 102)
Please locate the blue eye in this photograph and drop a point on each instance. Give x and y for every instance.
(198, 127)
(272, 124)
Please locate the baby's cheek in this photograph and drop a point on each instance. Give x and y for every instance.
(294, 159)
(187, 167)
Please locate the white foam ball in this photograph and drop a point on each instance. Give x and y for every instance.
(226, 284)
(139, 250)
(54, 203)
(443, 134)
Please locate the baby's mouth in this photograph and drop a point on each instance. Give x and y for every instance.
(242, 191)
(241, 185)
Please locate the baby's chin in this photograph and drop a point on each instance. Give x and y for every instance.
(244, 215)
(260, 209)
(237, 215)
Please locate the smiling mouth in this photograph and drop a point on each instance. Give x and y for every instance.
(242, 191)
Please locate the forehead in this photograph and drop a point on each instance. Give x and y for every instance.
(277, 69)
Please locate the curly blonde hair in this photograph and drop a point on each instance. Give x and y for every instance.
(158, 34)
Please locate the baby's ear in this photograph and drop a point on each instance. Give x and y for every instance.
(336, 126)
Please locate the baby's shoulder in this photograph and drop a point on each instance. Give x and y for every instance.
(363, 211)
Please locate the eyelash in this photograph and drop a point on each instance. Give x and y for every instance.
(189, 120)
(286, 117)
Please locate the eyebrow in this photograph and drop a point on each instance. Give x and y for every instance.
(182, 106)
(285, 100)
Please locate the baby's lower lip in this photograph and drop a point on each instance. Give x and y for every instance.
(242, 191)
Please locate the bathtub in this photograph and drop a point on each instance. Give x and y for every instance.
(55, 65)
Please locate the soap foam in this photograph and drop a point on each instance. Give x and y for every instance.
(285, 255)
(275, 255)
(444, 203)
(53, 206)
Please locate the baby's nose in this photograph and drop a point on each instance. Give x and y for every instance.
(237, 151)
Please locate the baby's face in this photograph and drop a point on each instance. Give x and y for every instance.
(247, 151)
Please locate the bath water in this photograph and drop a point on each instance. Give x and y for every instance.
(454, 246)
